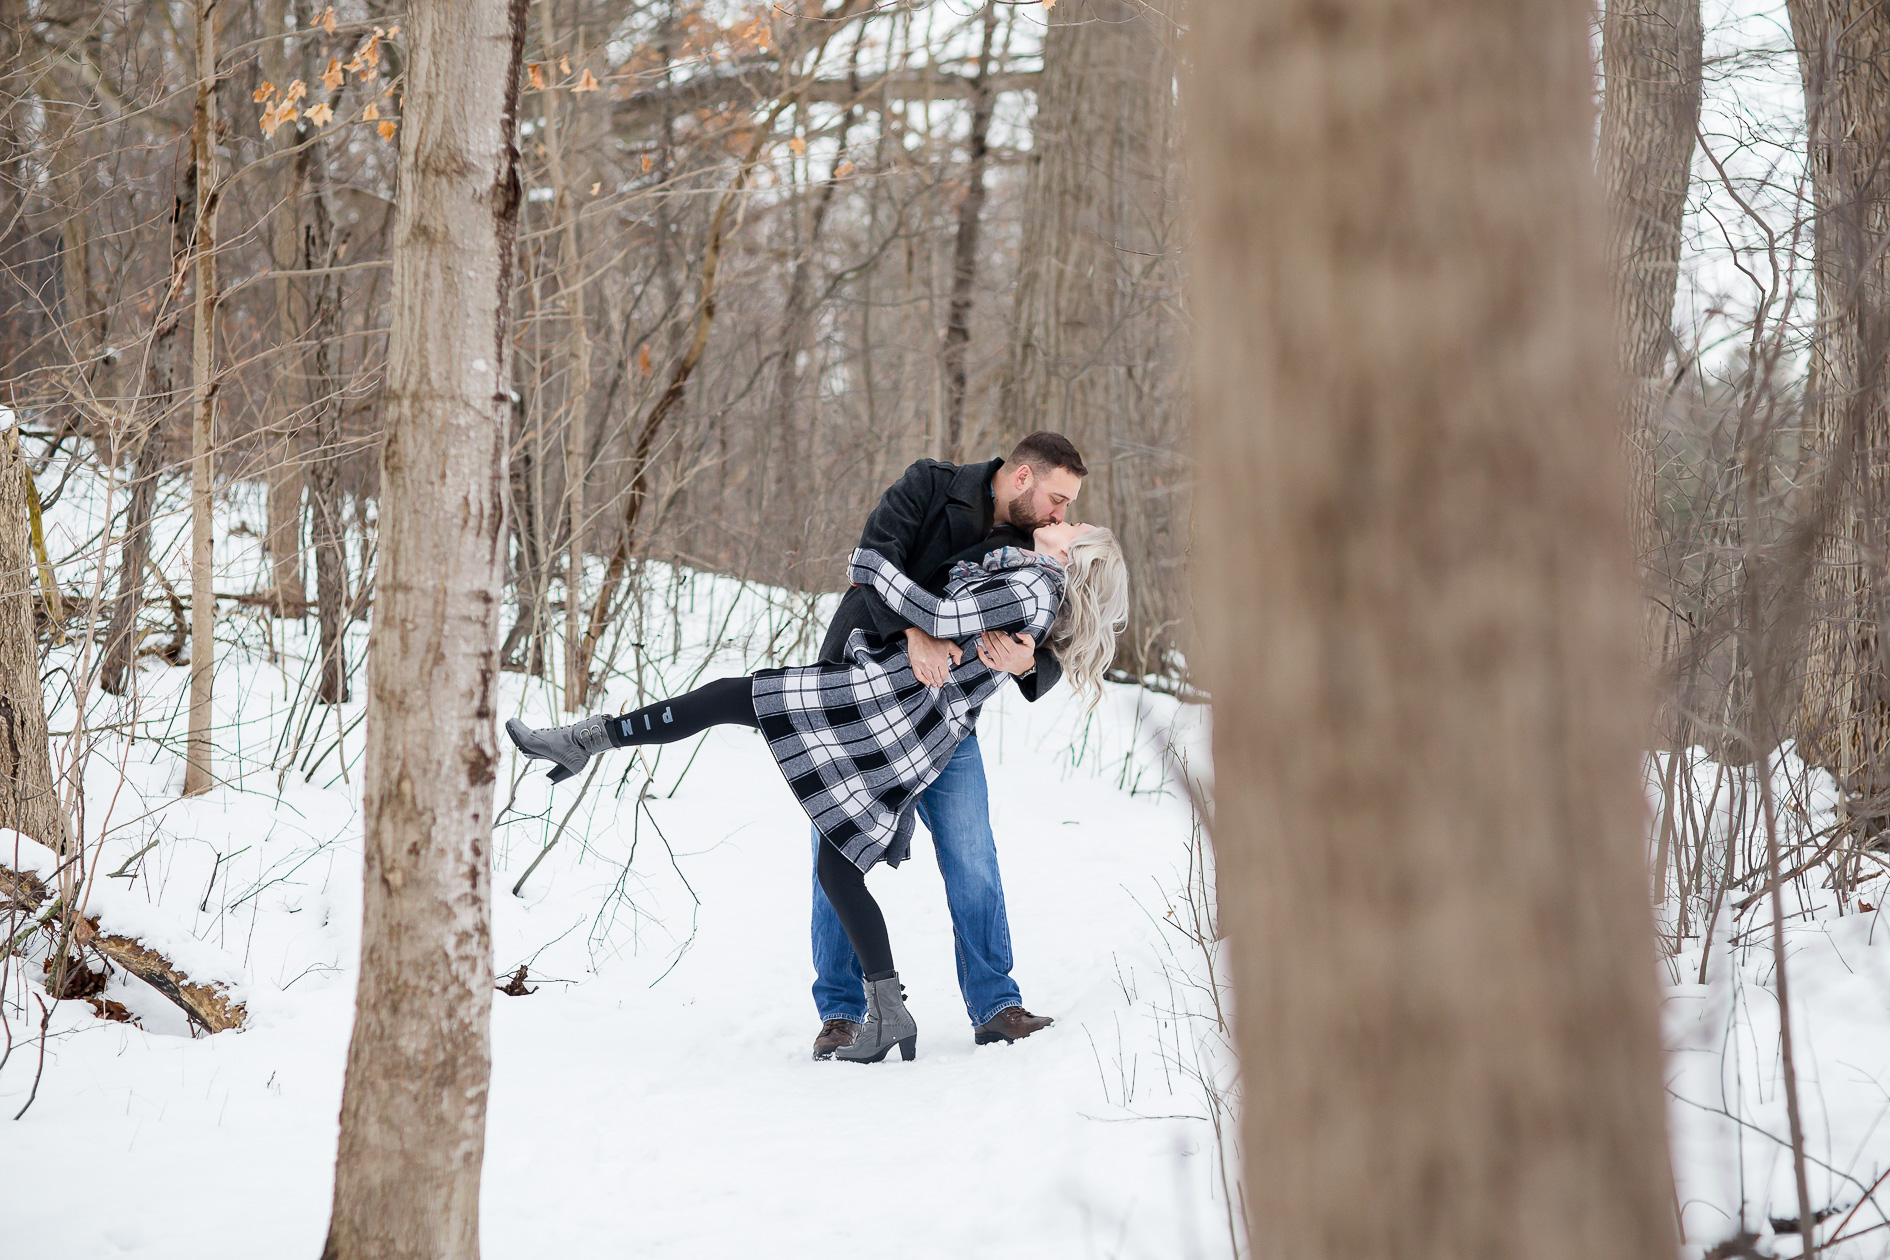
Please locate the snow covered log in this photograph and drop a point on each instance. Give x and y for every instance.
(209, 1005)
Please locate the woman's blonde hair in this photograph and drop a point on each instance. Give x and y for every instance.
(1095, 610)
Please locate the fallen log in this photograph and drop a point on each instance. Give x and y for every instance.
(208, 1006)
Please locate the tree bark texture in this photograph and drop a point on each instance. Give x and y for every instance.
(29, 801)
(1844, 720)
(414, 1105)
(1096, 348)
(198, 746)
(1419, 626)
(1651, 61)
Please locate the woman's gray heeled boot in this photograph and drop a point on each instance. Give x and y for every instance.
(888, 1024)
(570, 746)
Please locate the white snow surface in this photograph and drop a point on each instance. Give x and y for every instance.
(655, 1095)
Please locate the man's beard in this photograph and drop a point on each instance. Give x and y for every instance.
(1024, 517)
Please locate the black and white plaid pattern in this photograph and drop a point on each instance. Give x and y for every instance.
(859, 741)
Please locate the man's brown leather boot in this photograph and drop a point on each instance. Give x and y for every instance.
(834, 1034)
(1013, 1023)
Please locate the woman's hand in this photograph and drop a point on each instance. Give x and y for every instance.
(1008, 652)
(932, 659)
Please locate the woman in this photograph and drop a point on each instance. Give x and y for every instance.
(859, 741)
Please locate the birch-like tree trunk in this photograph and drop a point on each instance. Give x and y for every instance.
(1097, 340)
(203, 378)
(1419, 625)
(413, 1109)
(1651, 60)
(29, 802)
(1844, 722)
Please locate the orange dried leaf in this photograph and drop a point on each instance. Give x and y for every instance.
(371, 51)
(594, 187)
(394, 29)
(328, 20)
(386, 129)
(370, 113)
(320, 114)
(844, 169)
(644, 364)
(587, 82)
(797, 146)
(263, 92)
(297, 90)
(538, 75)
(564, 65)
(647, 163)
(332, 77)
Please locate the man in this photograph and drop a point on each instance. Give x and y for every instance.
(932, 517)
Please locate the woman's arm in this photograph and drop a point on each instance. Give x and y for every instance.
(1022, 602)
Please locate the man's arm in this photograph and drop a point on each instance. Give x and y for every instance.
(1035, 667)
(1037, 684)
(892, 530)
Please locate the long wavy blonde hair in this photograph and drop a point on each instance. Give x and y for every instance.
(1095, 610)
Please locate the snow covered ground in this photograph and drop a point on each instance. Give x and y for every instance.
(1729, 1124)
(655, 1095)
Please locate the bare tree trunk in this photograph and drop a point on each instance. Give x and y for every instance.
(1418, 623)
(965, 252)
(203, 602)
(522, 510)
(324, 463)
(283, 540)
(29, 802)
(1096, 344)
(148, 457)
(1844, 723)
(1651, 51)
(570, 274)
(414, 1107)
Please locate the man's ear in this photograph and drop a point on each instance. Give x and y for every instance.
(1021, 479)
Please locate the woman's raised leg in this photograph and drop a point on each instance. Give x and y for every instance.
(726, 701)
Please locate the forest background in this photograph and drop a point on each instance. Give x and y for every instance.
(765, 259)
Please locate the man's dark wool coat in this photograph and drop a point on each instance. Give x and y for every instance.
(932, 517)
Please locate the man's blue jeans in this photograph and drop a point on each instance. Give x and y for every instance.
(957, 811)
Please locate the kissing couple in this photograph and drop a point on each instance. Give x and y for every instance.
(965, 576)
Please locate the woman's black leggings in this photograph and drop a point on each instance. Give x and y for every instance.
(724, 702)
(731, 702)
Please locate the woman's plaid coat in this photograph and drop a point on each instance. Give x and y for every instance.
(858, 741)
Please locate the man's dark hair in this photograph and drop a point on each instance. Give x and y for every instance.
(1045, 450)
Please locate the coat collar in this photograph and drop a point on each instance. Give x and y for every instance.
(972, 482)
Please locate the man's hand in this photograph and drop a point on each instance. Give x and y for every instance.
(932, 659)
(1008, 652)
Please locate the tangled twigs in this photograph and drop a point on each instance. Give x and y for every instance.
(45, 1019)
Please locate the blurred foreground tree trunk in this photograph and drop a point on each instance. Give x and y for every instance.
(413, 1110)
(1096, 347)
(1418, 622)
(28, 802)
(1651, 58)
(1844, 718)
